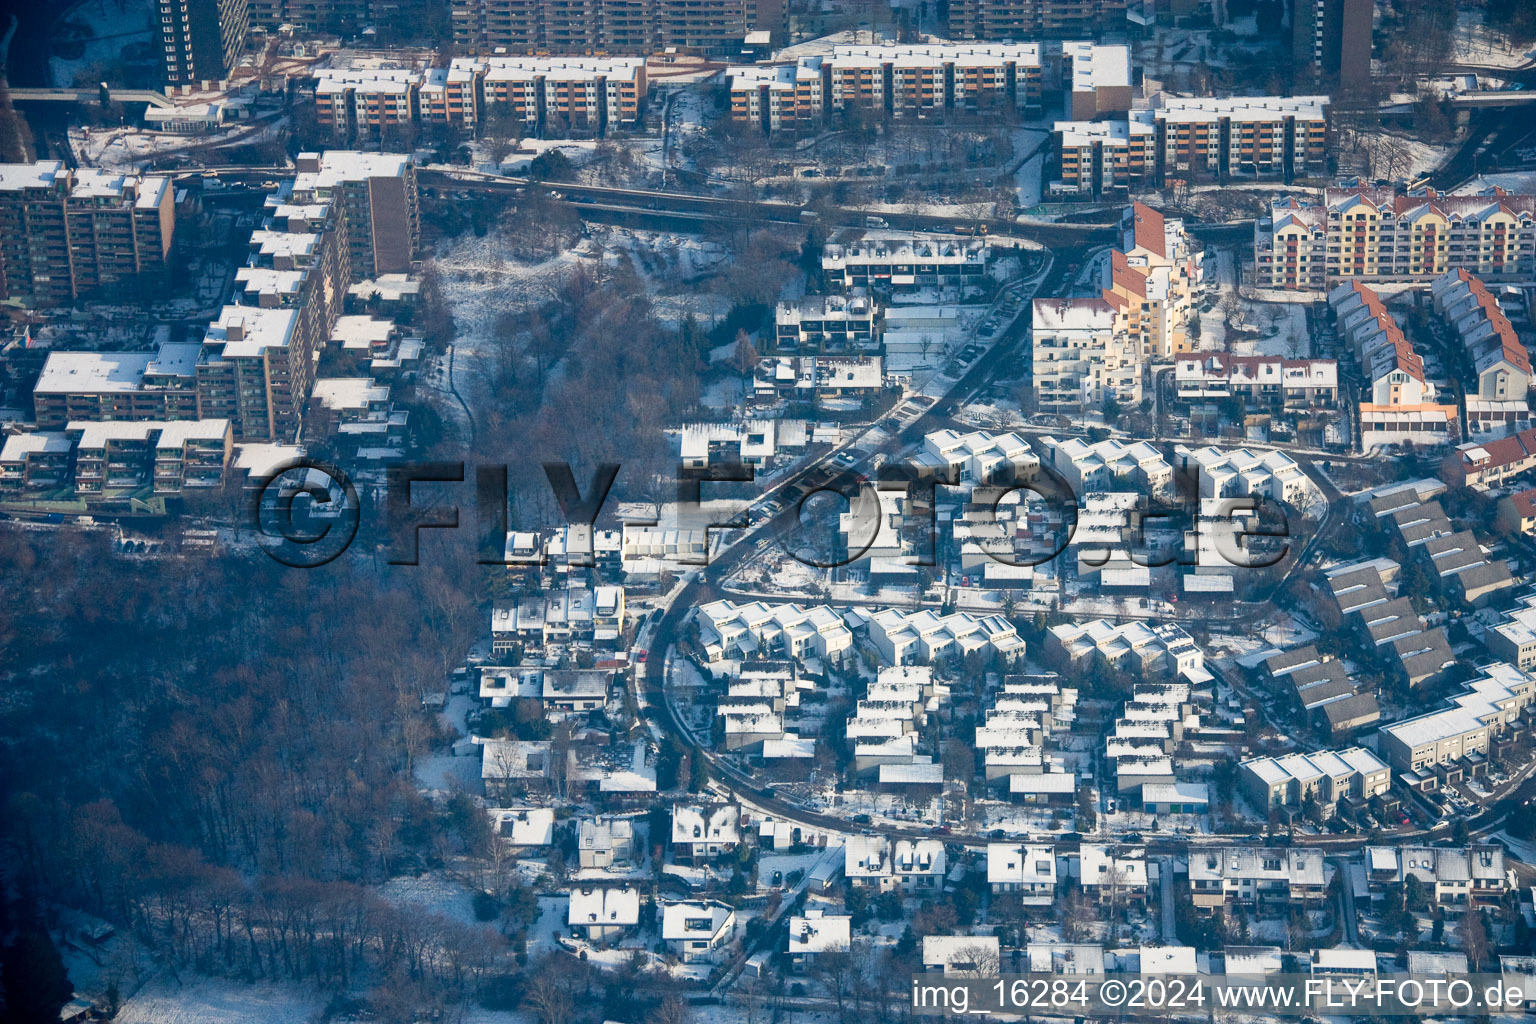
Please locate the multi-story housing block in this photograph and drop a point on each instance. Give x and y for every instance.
(1080, 360)
(1152, 280)
(102, 386)
(35, 465)
(1241, 135)
(1022, 19)
(201, 40)
(377, 196)
(918, 80)
(1377, 234)
(66, 233)
(881, 267)
(164, 458)
(715, 27)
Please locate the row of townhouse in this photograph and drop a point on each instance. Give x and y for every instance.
(733, 632)
(1174, 136)
(1452, 878)
(68, 232)
(1256, 876)
(1441, 747)
(1321, 690)
(1498, 360)
(1025, 712)
(1366, 597)
(1260, 381)
(885, 725)
(1325, 779)
(1452, 556)
(911, 866)
(908, 637)
(1399, 404)
(557, 94)
(921, 79)
(1238, 473)
(582, 615)
(714, 27)
(1378, 234)
(828, 324)
(1110, 465)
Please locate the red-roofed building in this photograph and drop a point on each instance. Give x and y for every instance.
(1490, 463)
(1377, 234)
(1517, 512)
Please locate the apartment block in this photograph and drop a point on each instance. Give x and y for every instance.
(1020, 19)
(1378, 234)
(1152, 280)
(377, 196)
(883, 267)
(1333, 37)
(201, 39)
(104, 386)
(1175, 136)
(35, 465)
(163, 458)
(712, 27)
(563, 94)
(1095, 157)
(253, 370)
(1261, 136)
(1080, 360)
(66, 233)
(906, 80)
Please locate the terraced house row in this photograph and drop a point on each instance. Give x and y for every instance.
(1259, 136)
(585, 94)
(1377, 234)
(899, 81)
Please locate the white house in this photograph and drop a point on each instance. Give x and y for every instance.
(603, 915)
(697, 930)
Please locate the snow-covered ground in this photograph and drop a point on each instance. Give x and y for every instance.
(432, 893)
(1476, 46)
(213, 1001)
(112, 26)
